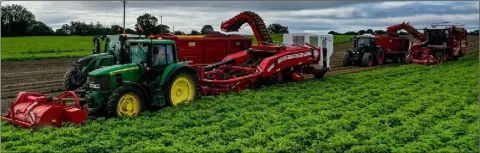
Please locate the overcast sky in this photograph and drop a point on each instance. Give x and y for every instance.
(299, 16)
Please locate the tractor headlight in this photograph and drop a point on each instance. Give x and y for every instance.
(94, 85)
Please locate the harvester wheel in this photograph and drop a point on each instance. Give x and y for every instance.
(126, 100)
(367, 60)
(380, 57)
(439, 56)
(287, 74)
(181, 88)
(73, 79)
(346, 58)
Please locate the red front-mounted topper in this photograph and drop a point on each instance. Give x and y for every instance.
(32, 110)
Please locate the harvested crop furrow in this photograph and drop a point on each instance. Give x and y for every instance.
(7, 81)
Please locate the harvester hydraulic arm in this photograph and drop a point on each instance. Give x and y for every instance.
(256, 23)
(392, 30)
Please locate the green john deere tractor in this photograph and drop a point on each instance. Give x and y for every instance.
(154, 77)
(76, 76)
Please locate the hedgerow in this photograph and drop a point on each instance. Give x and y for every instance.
(411, 108)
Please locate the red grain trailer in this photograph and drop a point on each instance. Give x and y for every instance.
(207, 49)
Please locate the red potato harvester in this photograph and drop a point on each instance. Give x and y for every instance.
(261, 64)
(434, 45)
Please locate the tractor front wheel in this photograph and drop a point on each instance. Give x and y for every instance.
(180, 89)
(346, 58)
(367, 60)
(73, 79)
(126, 100)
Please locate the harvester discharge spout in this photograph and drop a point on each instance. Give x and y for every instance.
(256, 23)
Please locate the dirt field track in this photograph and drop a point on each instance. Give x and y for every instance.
(45, 76)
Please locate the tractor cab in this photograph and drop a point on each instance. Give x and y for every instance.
(363, 43)
(114, 44)
(154, 77)
(436, 36)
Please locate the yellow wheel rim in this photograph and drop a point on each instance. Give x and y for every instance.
(182, 90)
(129, 105)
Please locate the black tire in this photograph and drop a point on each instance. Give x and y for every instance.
(379, 57)
(169, 85)
(113, 100)
(403, 58)
(287, 75)
(455, 58)
(367, 60)
(73, 80)
(346, 58)
(439, 56)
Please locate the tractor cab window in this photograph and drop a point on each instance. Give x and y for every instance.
(163, 54)
(364, 42)
(139, 53)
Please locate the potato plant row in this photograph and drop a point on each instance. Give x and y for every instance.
(411, 108)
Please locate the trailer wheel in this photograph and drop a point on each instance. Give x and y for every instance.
(181, 88)
(73, 79)
(367, 60)
(346, 58)
(126, 100)
(380, 57)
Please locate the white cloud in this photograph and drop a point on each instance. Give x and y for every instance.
(389, 5)
(469, 6)
(343, 12)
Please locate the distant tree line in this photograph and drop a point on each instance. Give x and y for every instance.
(18, 21)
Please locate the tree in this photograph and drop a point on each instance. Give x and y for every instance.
(116, 29)
(39, 29)
(333, 33)
(194, 32)
(276, 28)
(474, 33)
(16, 20)
(380, 32)
(402, 33)
(370, 31)
(179, 33)
(60, 32)
(206, 29)
(361, 32)
(148, 23)
(164, 29)
(129, 31)
(350, 33)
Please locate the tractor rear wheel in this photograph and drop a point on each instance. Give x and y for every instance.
(126, 100)
(380, 57)
(181, 88)
(367, 60)
(73, 79)
(346, 58)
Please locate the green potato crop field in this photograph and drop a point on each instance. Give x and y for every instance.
(43, 47)
(410, 108)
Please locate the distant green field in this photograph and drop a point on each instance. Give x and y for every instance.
(43, 47)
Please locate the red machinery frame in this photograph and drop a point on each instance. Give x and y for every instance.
(35, 110)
